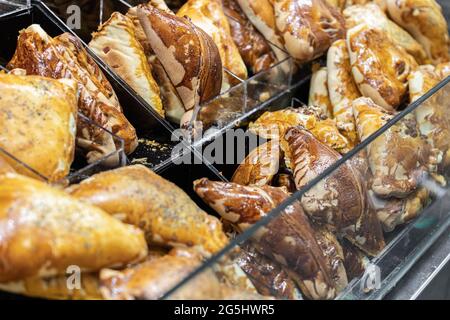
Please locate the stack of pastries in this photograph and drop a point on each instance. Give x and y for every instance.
(384, 62)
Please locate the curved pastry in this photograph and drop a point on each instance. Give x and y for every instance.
(42, 137)
(209, 16)
(372, 15)
(318, 92)
(338, 200)
(397, 157)
(425, 21)
(116, 43)
(380, 68)
(342, 90)
(394, 212)
(56, 288)
(189, 56)
(308, 27)
(44, 231)
(64, 57)
(289, 239)
(273, 125)
(269, 277)
(262, 16)
(161, 209)
(253, 47)
(260, 166)
(432, 118)
(153, 279)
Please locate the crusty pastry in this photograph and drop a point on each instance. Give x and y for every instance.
(188, 55)
(38, 124)
(273, 125)
(288, 239)
(260, 166)
(318, 91)
(397, 157)
(425, 21)
(355, 260)
(44, 231)
(432, 117)
(209, 16)
(262, 16)
(253, 47)
(338, 200)
(64, 57)
(5, 167)
(374, 16)
(308, 27)
(142, 198)
(394, 212)
(380, 68)
(154, 279)
(342, 90)
(268, 276)
(56, 288)
(116, 43)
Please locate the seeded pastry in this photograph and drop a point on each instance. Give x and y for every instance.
(116, 43)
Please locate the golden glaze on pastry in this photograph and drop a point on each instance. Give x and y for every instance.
(142, 198)
(188, 55)
(289, 238)
(116, 43)
(425, 21)
(44, 231)
(64, 57)
(372, 15)
(318, 92)
(342, 90)
(209, 16)
(308, 27)
(253, 47)
(380, 68)
(260, 166)
(38, 124)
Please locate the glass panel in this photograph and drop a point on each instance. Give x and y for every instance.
(356, 224)
(8, 7)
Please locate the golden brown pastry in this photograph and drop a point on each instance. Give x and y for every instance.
(56, 288)
(209, 16)
(260, 166)
(380, 68)
(338, 4)
(443, 70)
(432, 117)
(372, 15)
(342, 90)
(394, 212)
(116, 43)
(273, 125)
(269, 277)
(253, 47)
(425, 21)
(354, 260)
(38, 124)
(262, 16)
(64, 57)
(308, 27)
(397, 157)
(140, 197)
(339, 200)
(49, 231)
(188, 55)
(318, 91)
(153, 279)
(288, 239)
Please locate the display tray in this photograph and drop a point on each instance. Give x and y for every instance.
(404, 245)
